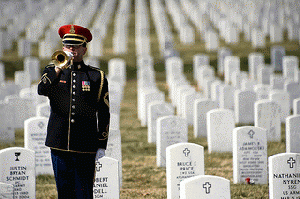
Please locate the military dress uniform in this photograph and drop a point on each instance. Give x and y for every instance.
(78, 123)
(79, 103)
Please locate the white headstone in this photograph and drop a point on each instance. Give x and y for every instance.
(255, 59)
(283, 99)
(22, 79)
(277, 53)
(147, 97)
(277, 81)
(45, 50)
(222, 53)
(184, 160)
(199, 61)
(258, 39)
(248, 84)
(24, 48)
(264, 73)
(20, 110)
(117, 67)
(284, 175)
(220, 124)
(18, 169)
(211, 41)
(290, 64)
(7, 122)
(204, 72)
(205, 187)
(157, 109)
(231, 63)
(262, 91)
(170, 130)
(206, 83)
(292, 134)
(187, 107)
(296, 106)
(106, 183)
(95, 48)
(2, 72)
(114, 121)
(250, 155)
(43, 109)
(293, 88)
(32, 67)
(237, 78)
(35, 132)
(201, 108)
(114, 149)
(276, 33)
(226, 97)
(244, 106)
(267, 116)
(215, 90)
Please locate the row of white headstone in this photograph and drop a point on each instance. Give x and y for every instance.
(121, 29)
(268, 20)
(162, 27)
(19, 172)
(142, 28)
(99, 27)
(35, 134)
(265, 113)
(183, 27)
(170, 129)
(186, 174)
(248, 144)
(185, 170)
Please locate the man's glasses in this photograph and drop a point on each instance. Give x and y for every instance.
(72, 46)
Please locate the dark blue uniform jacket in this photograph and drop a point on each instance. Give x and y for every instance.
(79, 119)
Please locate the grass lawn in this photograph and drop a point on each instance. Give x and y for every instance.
(141, 177)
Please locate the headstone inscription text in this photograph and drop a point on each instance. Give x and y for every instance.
(250, 155)
(284, 176)
(18, 169)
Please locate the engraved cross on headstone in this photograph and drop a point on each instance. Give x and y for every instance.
(186, 152)
(98, 166)
(173, 123)
(207, 187)
(251, 133)
(291, 161)
(41, 125)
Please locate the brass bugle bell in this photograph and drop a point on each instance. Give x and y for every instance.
(61, 59)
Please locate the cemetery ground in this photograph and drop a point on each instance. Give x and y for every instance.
(141, 177)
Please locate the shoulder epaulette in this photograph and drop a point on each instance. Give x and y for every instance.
(50, 66)
(94, 68)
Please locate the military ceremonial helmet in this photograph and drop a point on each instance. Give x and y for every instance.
(74, 35)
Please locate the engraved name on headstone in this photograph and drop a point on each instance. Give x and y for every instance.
(250, 155)
(18, 169)
(284, 176)
(184, 160)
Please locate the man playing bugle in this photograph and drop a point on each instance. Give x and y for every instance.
(78, 126)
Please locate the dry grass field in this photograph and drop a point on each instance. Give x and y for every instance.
(141, 177)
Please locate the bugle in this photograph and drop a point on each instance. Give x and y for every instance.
(61, 59)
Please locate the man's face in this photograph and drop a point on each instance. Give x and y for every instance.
(77, 50)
